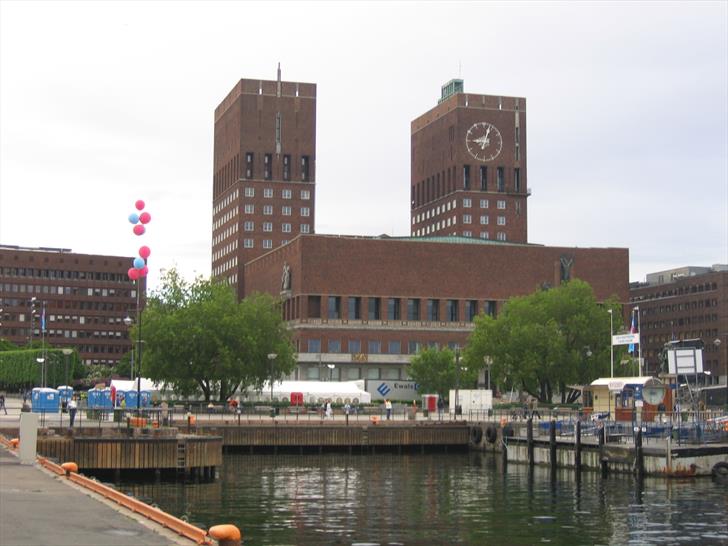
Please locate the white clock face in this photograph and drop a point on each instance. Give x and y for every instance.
(484, 141)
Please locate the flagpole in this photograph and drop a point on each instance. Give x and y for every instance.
(611, 343)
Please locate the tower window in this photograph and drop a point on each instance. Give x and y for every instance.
(466, 177)
(286, 167)
(249, 165)
(484, 178)
(500, 179)
(305, 168)
(268, 166)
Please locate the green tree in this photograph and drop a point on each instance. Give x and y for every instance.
(435, 371)
(198, 337)
(546, 341)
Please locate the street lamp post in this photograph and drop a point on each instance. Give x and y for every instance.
(717, 343)
(271, 358)
(611, 342)
(66, 353)
(128, 321)
(488, 363)
(457, 380)
(40, 360)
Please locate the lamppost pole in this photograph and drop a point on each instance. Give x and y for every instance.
(139, 345)
(457, 380)
(611, 342)
(271, 358)
(66, 353)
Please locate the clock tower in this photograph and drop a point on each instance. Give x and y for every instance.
(468, 167)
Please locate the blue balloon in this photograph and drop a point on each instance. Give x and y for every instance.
(134, 218)
(138, 263)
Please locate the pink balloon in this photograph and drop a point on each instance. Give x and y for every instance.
(143, 271)
(144, 252)
(133, 273)
(139, 229)
(145, 217)
(139, 204)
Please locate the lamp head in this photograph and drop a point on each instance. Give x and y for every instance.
(127, 321)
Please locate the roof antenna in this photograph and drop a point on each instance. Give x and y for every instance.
(279, 79)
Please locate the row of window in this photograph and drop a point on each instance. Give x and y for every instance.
(373, 347)
(446, 207)
(68, 304)
(249, 225)
(683, 306)
(353, 373)
(285, 193)
(224, 234)
(411, 309)
(68, 334)
(39, 273)
(677, 291)
(67, 290)
(229, 264)
(73, 319)
(441, 184)
(681, 321)
(304, 173)
(227, 200)
(268, 210)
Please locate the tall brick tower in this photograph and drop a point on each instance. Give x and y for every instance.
(468, 167)
(264, 172)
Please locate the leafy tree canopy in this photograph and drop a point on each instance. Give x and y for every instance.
(198, 337)
(543, 342)
(436, 372)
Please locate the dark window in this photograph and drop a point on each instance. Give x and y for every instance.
(393, 312)
(374, 347)
(433, 310)
(466, 177)
(286, 167)
(354, 308)
(452, 310)
(413, 309)
(314, 307)
(314, 345)
(500, 181)
(413, 347)
(484, 178)
(395, 348)
(334, 346)
(374, 309)
(471, 309)
(268, 166)
(354, 346)
(490, 308)
(517, 180)
(249, 165)
(334, 307)
(304, 168)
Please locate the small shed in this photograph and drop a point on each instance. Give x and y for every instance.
(627, 398)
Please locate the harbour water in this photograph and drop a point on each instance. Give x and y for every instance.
(464, 498)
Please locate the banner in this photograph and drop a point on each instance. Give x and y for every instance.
(626, 339)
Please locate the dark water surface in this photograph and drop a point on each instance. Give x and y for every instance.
(439, 499)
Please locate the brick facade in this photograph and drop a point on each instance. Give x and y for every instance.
(86, 299)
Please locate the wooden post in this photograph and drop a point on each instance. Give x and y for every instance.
(639, 455)
(529, 439)
(552, 443)
(577, 447)
(602, 457)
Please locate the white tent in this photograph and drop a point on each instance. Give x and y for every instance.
(131, 385)
(315, 391)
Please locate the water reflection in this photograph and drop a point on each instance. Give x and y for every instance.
(459, 499)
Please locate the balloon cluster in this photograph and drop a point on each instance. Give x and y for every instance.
(140, 268)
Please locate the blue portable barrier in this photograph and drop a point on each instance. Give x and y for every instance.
(45, 400)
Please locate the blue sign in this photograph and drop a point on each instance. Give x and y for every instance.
(383, 389)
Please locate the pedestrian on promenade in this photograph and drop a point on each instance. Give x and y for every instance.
(329, 410)
(72, 407)
(440, 407)
(2, 403)
(534, 409)
(388, 407)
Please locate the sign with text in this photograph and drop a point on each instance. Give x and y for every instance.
(392, 390)
(625, 339)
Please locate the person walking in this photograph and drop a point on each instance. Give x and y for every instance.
(388, 407)
(72, 407)
(329, 410)
(2, 403)
(440, 407)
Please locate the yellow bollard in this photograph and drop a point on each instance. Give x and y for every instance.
(226, 535)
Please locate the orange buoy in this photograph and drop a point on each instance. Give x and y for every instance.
(374, 419)
(70, 467)
(14, 443)
(226, 534)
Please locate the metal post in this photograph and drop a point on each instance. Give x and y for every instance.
(457, 380)
(611, 342)
(639, 345)
(139, 345)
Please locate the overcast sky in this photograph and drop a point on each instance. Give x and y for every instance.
(105, 103)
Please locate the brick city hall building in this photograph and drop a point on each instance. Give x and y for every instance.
(367, 304)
